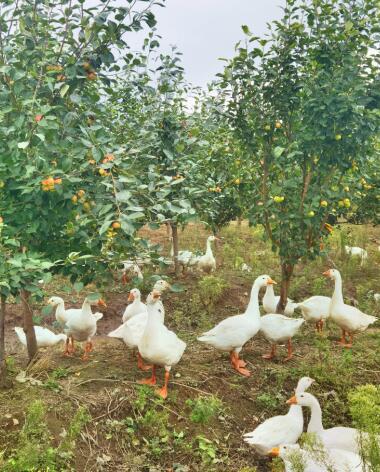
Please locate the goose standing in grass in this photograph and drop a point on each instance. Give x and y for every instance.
(185, 258)
(81, 326)
(279, 329)
(278, 429)
(339, 437)
(270, 302)
(136, 307)
(316, 309)
(132, 268)
(334, 460)
(356, 252)
(44, 336)
(207, 262)
(349, 318)
(133, 328)
(159, 345)
(233, 332)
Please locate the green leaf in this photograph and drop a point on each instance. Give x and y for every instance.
(177, 288)
(23, 144)
(278, 151)
(47, 310)
(78, 286)
(64, 90)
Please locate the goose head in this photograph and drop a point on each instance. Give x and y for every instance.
(331, 273)
(134, 294)
(264, 280)
(304, 383)
(284, 450)
(161, 285)
(302, 399)
(55, 301)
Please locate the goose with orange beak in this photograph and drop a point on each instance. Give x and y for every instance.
(279, 429)
(81, 326)
(339, 437)
(349, 318)
(158, 345)
(233, 332)
(295, 458)
(133, 328)
(134, 308)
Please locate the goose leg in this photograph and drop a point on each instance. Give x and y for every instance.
(87, 349)
(69, 346)
(163, 392)
(290, 351)
(239, 364)
(152, 380)
(140, 363)
(342, 340)
(348, 345)
(321, 325)
(271, 354)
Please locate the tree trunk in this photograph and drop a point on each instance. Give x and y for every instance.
(175, 247)
(3, 365)
(31, 342)
(286, 274)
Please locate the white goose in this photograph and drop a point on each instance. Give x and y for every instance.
(62, 314)
(357, 252)
(136, 307)
(132, 268)
(132, 329)
(44, 336)
(349, 318)
(320, 461)
(316, 309)
(233, 332)
(339, 437)
(185, 258)
(278, 429)
(279, 329)
(207, 262)
(81, 326)
(159, 345)
(270, 302)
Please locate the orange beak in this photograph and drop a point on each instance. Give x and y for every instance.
(101, 302)
(131, 297)
(274, 452)
(326, 273)
(156, 294)
(292, 400)
(271, 282)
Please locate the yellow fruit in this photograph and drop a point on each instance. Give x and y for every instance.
(237, 162)
(341, 203)
(86, 206)
(267, 127)
(102, 172)
(278, 199)
(2, 183)
(278, 124)
(116, 225)
(237, 181)
(324, 203)
(74, 199)
(338, 137)
(346, 189)
(347, 202)
(1, 220)
(311, 214)
(81, 193)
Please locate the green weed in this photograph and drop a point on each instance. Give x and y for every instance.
(204, 408)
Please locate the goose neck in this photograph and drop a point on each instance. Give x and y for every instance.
(253, 305)
(269, 292)
(315, 423)
(338, 293)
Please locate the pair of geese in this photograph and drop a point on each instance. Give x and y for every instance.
(79, 324)
(337, 448)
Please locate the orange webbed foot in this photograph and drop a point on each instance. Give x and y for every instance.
(150, 381)
(162, 392)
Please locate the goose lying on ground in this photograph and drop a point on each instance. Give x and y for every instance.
(44, 336)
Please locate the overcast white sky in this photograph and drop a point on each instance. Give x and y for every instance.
(205, 30)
